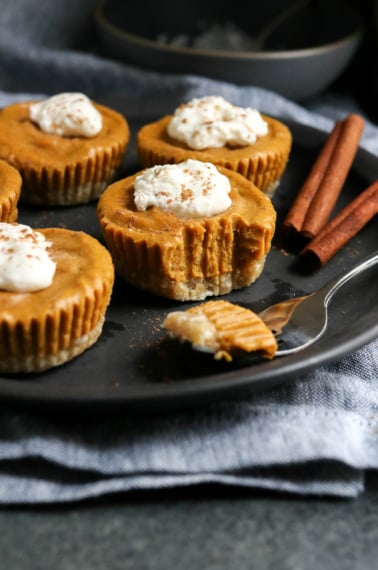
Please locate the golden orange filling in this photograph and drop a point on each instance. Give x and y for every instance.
(263, 163)
(47, 327)
(222, 328)
(188, 258)
(60, 170)
(10, 189)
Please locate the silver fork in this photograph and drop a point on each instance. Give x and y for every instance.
(305, 318)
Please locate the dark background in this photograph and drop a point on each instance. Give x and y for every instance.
(361, 78)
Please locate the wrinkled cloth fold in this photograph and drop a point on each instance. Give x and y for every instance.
(314, 435)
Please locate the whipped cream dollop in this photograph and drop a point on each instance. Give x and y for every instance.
(212, 121)
(25, 264)
(189, 189)
(67, 115)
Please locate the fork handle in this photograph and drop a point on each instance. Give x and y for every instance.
(334, 285)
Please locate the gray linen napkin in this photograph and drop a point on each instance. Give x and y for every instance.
(315, 435)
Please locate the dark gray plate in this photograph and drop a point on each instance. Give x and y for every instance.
(135, 367)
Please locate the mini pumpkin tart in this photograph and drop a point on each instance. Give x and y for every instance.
(10, 189)
(55, 287)
(222, 328)
(66, 148)
(187, 231)
(213, 130)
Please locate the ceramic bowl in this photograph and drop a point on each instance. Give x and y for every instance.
(297, 49)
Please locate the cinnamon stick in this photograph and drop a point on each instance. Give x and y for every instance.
(334, 177)
(297, 213)
(345, 225)
(318, 195)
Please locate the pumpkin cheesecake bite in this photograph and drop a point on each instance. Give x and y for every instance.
(187, 231)
(10, 189)
(55, 286)
(223, 329)
(213, 130)
(66, 147)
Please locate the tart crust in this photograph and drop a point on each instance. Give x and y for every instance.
(222, 328)
(188, 258)
(263, 163)
(60, 171)
(10, 189)
(46, 328)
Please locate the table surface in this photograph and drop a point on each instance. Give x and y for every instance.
(205, 527)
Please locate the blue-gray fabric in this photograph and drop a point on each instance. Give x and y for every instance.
(315, 435)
